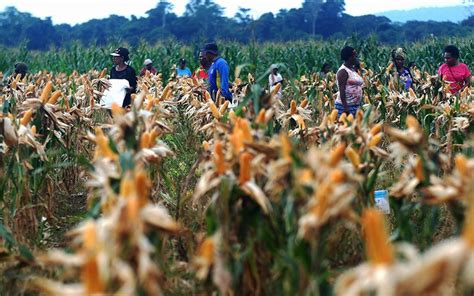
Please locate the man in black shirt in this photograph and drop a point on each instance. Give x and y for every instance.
(122, 70)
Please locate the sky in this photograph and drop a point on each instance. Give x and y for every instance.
(78, 11)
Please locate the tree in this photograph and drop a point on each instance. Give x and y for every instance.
(330, 17)
(311, 10)
(160, 12)
(204, 15)
(204, 20)
(242, 16)
(245, 25)
(263, 27)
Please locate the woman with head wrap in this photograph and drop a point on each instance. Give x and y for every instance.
(403, 73)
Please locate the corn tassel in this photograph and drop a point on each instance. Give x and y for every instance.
(232, 117)
(166, 92)
(219, 158)
(261, 117)
(419, 174)
(285, 146)
(336, 154)
(54, 98)
(376, 129)
(245, 164)
(103, 73)
(214, 110)
(145, 141)
(275, 89)
(304, 103)
(375, 140)
(246, 131)
(143, 187)
(223, 108)
(321, 198)
(412, 122)
(377, 245)
(353, 157)
(26, 117)
(207, 96)
(412, 93)
(461, 164)
(15, 81)
(468, 229)
(389, 68)
(333, 116)
(293, 109)
(46, 91)
(117, 110)
(153, 135)
(338, 176)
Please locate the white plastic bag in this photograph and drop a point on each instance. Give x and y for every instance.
(115, 94)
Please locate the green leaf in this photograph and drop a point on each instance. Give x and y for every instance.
(126, 161)
(26, 253)
(6, 235)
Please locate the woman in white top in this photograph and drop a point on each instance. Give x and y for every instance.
(349, 83)
(274, 78)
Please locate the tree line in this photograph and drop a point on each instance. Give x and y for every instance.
(204, 20)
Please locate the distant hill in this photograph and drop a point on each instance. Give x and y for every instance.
(453, 14)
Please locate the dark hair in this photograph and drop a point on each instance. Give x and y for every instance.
(182, 61)
(21, 68)
(324, 66)
(347, 52)
(453, 50)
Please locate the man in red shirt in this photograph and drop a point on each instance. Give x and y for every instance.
(453, 72)
(148, 66)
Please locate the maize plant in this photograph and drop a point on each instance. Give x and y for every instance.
(272, 193)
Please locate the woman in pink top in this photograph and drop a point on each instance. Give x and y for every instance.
(453, 72)
(349, 83)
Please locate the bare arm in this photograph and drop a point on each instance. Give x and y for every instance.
(467, 82)
(342, 78)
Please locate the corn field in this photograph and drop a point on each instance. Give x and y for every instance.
(183, 195)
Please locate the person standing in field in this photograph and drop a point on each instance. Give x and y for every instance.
(218, 72)
(22, 69)
(456, 74)
(122, 70)
(349, 83)
(403, 73)
(148, 66)
(274, 79)
(325, 69)
(201, 72)
(182, 70)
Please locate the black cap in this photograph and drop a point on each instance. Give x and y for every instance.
(211, 48)
(182, 61)
(120, 52)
